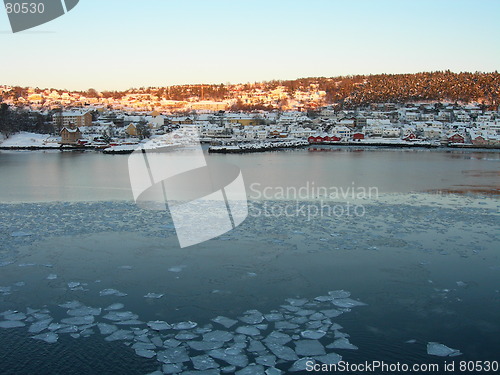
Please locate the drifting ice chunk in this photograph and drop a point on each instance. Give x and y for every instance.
(49, 337)
(301, 364)
(253, 318)
(205, 345)
(154, 295)
(273, 371)
(313, 335)
(52, 276)
(125, 267)
(434, 348)
(273, 317)
(296, 302)
(171, 343)
(347, 302)
(317, 316)
(323, 298)
(173, 355)
(145, 353)
(248, 330)
(205, 372)
(120, 316)
(115, 306)
(228, 369)
(332, 313)
(177, 269)
(83, 311)
(226, 322)
(305, 312)
(285, 325)
(79, 320)
(157, 341)
(6, 263)
(11, 324)
(253, 369)
(106, 329)
(158, 325)
(21, 234)
(111, 292)
(184, 325)
(256, 347)
(56, 326)
(120, 335)
(15, 316)
(185, 336)
(131, 322)
(73, 284)
(339, 294)
(342, 343)
(40, 326)
(330, 358)
(266, 360)
(239, 360)
(309, 347)
(71, 305)
(277, 338)
(219, 336)
(68, 329)
(282, 352)
(172, 368)
(203, 362)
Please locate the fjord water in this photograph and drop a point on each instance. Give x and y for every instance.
(426, 265)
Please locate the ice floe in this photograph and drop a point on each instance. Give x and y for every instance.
(434, 348)
(154, 295)
(111, 292)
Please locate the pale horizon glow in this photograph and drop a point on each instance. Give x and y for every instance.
(116, 45)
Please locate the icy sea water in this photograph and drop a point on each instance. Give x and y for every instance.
(420, 272)
(103, 287)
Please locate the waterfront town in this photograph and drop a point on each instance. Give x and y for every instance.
(319, 111)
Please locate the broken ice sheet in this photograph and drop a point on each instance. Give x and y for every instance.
(159, 325)
(154, 295)
(106, 329)
(173, 355)
(177, 269)
(115, 306)
(219, 336)
(226, 322)
(49, 337)
(203, 362)
(40, 326)
(342, 343)
(184, 325)
(239, 360)
(314, 335)
(52, 276)
(282, 352)
(120, 335)
(111, 292)
(11, 324)
(347, 302)
(434, 348)
(78, 320)
(301, 364)
(252, 369)
(85, 310)
(309, 347)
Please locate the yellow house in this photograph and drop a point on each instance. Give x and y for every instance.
(131, 130)
(245, 121)
(70, 136)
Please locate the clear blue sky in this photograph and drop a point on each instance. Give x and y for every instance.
(117, 44)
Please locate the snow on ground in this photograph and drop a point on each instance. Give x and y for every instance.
(25, 139)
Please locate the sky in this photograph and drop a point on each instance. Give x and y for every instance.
(117, 44)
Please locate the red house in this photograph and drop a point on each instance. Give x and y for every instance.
(479, 140)
(358, 136)
(410, 137)
(456, 138)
